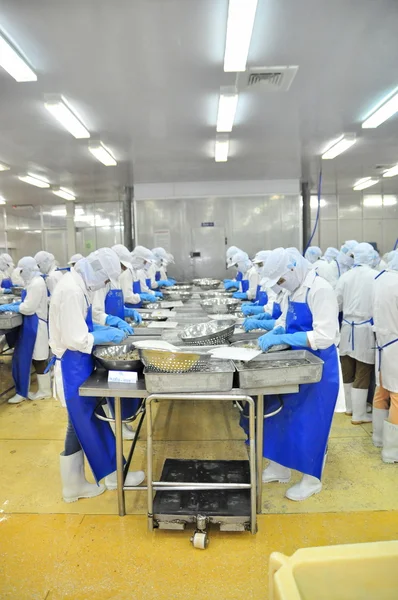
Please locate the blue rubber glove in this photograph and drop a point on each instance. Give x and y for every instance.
(108, 335)
(148, 297)
(7, 291)
(158, 295)
(172, 281)
(230, 284)
(119, 324)
(249, 324)
(279, 330)
(251, 309)
(240, 295)
(9, 308)
(130, 313)
(264, 316)
(298, 339)
(165, 283)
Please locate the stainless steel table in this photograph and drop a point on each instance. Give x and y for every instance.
(97, 386)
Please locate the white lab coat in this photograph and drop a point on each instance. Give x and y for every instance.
(53, 278)
(68, 330)
(329, 271)
(385, 317)
(142, 275)
(126, 280)
(382, 266)
(151, 274)
(126, 285)
(16, 278)
(36, 303)
(2, 276)
(253, 276)
(98, 303)
(354, 296)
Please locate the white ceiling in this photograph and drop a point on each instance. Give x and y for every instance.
(145, 77)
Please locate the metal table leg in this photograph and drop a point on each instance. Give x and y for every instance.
(259, 448)
(149, 450)
(119, 457)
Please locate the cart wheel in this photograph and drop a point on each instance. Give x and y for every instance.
(200, 540)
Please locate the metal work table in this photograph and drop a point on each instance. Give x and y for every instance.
(97, 386)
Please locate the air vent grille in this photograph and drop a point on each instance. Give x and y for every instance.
(273, 79)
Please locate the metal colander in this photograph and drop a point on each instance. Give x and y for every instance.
(165, 361)
(208, 334)
(207, 284)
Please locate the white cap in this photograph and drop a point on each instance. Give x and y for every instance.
(241, 260)
(123, 254)
(98, 267)
(45, 261)
(393, 263)
(313, 253)
(364, 254)
(330, 253)
(75, 258)
(28, 269)
(230, 253)
(261, 257)
(144, 254)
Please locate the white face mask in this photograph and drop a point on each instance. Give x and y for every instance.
(291, 281)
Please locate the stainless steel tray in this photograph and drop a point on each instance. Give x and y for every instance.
(110, 357)
(280, 368)
(6, 299)
(252, 345)
(10, 320)
(214, 376)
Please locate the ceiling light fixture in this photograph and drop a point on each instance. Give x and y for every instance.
(338, 146)
(383, 111)
(364, 183)
(241, 15)
(391, 172)
(4, 167)
(102, 154)
(64, 193)
(13, 63)
(34, 180)
(226, 111)
(64, 114)
(3, 200)
(221, 148)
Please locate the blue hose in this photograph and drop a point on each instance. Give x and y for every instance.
(317, 212)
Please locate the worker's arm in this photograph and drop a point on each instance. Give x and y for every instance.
(98, 303)
(339, 291)
(325, 313)
(72, 318)
(126, 284)
(253, 277)
(34, 295)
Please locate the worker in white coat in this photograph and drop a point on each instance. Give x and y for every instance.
(260, 303)
(47, 265)
(72, 337)
(142, 259)
(232, 284)
(296, 437)
(6, 270)
(156, 273)
(385, 401)
(330, 254)
(313, 254)
(74, 259)
(250, 277)
(32, 342)
(357, 340)
(341, 264)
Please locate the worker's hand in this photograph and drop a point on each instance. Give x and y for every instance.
(298, 339)
(165, 283)
(158, 295)
(9, 308)
(251, 309)
(120, 324)
(250, 324)
(264, 316)
(130, 313)
(108, 335)
(148, 297)
(240, 295)
(231, 284)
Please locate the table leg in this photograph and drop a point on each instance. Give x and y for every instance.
(149, 474)
(119, 457)
(253, 462)
(259, 448)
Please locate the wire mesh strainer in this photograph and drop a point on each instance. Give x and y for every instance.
(165, 361)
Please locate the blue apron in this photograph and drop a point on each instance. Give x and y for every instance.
(23, 351)
(95, 436)
(6, 284)
(297, 436)
(261, 297)
(114, 303)
(157, 276)
(136, 290)
(239, 276)
(276, 311)
(244, 285)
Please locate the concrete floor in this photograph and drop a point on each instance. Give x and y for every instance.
(51, 550)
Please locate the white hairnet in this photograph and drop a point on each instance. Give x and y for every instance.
(261, 256)
(389, 256)
(160, 255)
(99, 267)
(242, 261)
(376, 260)
(123, 254)
(281, 261)
(4, 264)
(75, 258)
(346, 254)
(144, 253)
(312, 254)
(45, 261)
(169, 259)
(330, 253)
(393, 264)
(230, 253)
(364, 254)
(28, 269)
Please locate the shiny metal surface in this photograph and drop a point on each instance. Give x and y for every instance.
(213, 376)
(17, 291)
(180, 287)
(253, 345)
(9, 320)
(208, 333)
(207, 284)
(112, 358)
(176, 295)
(6, 299)
(215, 294)
(215, 306)
(169, 362)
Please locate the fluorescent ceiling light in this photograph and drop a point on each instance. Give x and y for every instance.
(3, 200)
(226, 112)
(383, 111)
(102, 154)
(4, 167)
(221, 148)
(59, 108)
(364, 183)
(391, 172)
(14, 64)
(34, 180)
(64, 193)
(241, 15)
(338, 146)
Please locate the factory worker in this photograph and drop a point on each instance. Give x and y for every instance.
(313, 254)
(385, 401)
(261, 299)
(72, 337)
(6, 270)
(296, 438)
(142, 259)
(74, 259)
(341, 264)
(32, 343)
(330, 254)
(47, 266)
(250, 277)
(357, 341)
(230, 284)
(156, 274)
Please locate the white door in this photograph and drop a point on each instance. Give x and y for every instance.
(208, 252)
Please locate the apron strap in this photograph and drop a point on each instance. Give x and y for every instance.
(352, 325)
(381, 348)
(51, 363)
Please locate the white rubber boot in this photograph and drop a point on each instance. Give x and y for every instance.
(379, 416)
(276, 472)
(44, 388)
(359, 402)
(307, 487)
(127, 431)
(389, 454)
(16, 399)
(348, 401)
(133, 479)
(74, 483)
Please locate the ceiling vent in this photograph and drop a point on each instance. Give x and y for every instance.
(272, 79)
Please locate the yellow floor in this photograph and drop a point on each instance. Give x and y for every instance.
(52, 550)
